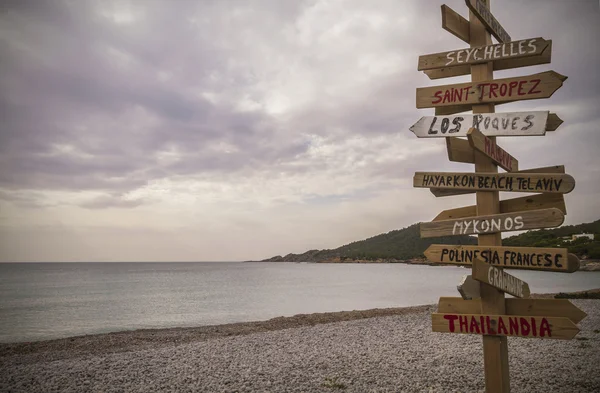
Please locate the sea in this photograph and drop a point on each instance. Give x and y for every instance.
(42, 301)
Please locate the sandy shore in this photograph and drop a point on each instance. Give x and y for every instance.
(384, 350)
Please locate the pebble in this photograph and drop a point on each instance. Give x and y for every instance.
(383, 354)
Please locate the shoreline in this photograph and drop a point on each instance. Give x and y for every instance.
(378, 350)
(585, 265)
(126, 340)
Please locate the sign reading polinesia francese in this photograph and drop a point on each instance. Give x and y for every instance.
(482, 54)
(515, 182)
(536, 86)
(529, 258)
(494, 223)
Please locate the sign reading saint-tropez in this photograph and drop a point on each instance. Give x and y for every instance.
(491, 124)
(531, 87)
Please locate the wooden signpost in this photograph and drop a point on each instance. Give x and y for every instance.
(531, 87)
(514, 182)
(487, 146)
(484, 310)
(511, 50)
(481, 11)
(514, 306)
(499, 279)
(528, 258)
(468, 288)
(534, 202)
(491, 124)
(494, 223)
(505, 325)
(443, 192)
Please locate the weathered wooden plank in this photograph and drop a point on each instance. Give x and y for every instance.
(499, 279)
(453, 109)
(513, 181)
(510, 50)
(553, 122)
(489, 147)
(443, 192)
(483, 13)
(469, 288)
(455, 24)
(490, 124)
(459, 150)
(494, 223)
(537, 86)
(522, 258)
(532, 202)
(498, 65)
(561, 308)
(505, 325)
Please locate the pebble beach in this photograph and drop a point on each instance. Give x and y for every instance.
(382, 350)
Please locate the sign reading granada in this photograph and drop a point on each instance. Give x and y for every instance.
(499, 279)
(505, 325)
(541, 85)
(489, 147)
(515, 182)
(491, 124)
(482, 54)
(529, 258)
(535, 219)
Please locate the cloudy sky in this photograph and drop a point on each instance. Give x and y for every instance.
(232, 130)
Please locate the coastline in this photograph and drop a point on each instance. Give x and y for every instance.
(381, 350)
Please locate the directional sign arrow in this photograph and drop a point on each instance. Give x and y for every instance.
(453, 155)
(505, 325)
(499, 279)
(490, 124)
(504, 64)
(513, 182)
(536, 86)
(469, 288)
(533, 202)
(482, 54)
(484, 14)
(524, 258)
(535, 219)
(531, 307)
(490, 149)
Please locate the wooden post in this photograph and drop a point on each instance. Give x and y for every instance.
(495, 349)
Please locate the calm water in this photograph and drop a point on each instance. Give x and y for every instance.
(52, 300)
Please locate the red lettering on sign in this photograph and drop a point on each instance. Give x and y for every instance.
(493, 88)
(520, 91)
(438, 97)
(474, 328)
(451, 319)
(535, 82)
(545, 328)
(511, 86)
(501, 326)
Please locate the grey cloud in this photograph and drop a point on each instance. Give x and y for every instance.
(113, 201)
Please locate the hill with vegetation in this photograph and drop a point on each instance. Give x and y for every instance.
(562, 237)
(406, 244)
(398, 245)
